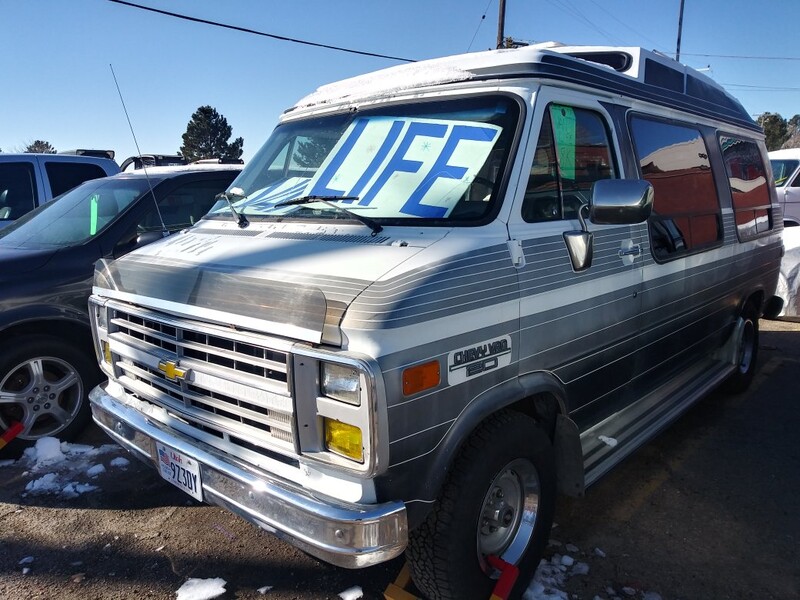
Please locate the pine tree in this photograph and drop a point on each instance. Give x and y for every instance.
(40, 147)
(207, 136)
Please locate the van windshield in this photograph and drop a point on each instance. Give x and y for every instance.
(440, 162)
(783, 169)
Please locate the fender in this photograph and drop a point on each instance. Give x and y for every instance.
(29, 313)
(422, 482)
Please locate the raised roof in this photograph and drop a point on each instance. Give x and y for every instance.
(629, 71)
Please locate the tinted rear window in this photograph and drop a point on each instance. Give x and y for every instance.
(64, 176)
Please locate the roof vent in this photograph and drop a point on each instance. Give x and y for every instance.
(619, 61)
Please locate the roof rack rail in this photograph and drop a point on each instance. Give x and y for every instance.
(89, 152)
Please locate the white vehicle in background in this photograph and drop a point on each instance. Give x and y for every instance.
(786, 169)
(789, 280)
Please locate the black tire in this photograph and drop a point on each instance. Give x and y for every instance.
(446, 554)
(44, 384)
(747, 360)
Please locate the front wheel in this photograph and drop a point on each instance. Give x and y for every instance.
(44, 384)
(498, 500)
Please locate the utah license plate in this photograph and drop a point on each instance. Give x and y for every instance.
(180, 470)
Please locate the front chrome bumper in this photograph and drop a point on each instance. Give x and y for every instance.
(344, 534)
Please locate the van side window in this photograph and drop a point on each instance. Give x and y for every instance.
(747, 177)
(572, 153)
(686, 212)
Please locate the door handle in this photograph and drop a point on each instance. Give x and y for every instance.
(634, 250)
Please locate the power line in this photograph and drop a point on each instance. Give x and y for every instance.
(572, 10)
(261, 33)
(742, 87)
(738, 56)
(608, 13)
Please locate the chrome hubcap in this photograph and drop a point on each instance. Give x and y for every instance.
(508, 513)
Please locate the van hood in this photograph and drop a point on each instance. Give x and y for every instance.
(282, 279)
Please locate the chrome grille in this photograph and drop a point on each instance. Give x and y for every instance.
(225, 384)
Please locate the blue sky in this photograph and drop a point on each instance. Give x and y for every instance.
(57, 84)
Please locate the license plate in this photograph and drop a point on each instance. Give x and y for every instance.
(180, 470)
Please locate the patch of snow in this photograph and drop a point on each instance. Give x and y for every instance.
(73, 490)
(47, 451)
(599, 553)
(629, 591)
(572, 548)
(27, 560)
(550, 576)
(547, 581)
(609, 441)
(201, 589)
(57, 467)
(264, 590)
(46, 484)
(120, 462)
(7, 462)
(352, 593)
(95, 470)
(26, 570)
(386, 82)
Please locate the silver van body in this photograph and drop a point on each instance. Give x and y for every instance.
(482, 280)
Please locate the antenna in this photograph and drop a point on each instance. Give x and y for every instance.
(139, 152)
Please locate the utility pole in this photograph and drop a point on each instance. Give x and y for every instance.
(680, 28)
(501, 23)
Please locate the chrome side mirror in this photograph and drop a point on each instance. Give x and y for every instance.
(580, 243)
(621, 201)
(613, 202)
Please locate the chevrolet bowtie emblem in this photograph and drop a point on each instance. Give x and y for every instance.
(171, 370)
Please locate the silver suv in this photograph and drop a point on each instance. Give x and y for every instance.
(30, 180)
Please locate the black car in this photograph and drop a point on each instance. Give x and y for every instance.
(47, 362)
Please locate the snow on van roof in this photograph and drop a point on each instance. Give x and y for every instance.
(645, 66)
(435, 71)
(391, 80)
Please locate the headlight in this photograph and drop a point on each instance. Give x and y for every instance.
(344, 439)
(341, 382)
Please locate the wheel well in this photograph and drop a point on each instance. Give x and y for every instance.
(550, 412)
(756, 299)
(543, 407)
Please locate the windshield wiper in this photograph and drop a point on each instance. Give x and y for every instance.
(329, 201)
(240, 218)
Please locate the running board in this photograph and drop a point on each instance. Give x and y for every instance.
(625, 431)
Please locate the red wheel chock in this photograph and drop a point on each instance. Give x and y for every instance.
(508, 576)
(10, 434)
(503, 587)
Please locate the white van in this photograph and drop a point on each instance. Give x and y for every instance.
(786, 170)
(440, 295)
